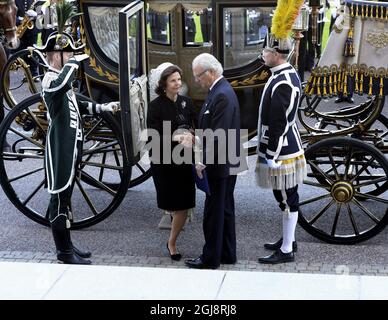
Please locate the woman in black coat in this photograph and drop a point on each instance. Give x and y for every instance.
(174, 183)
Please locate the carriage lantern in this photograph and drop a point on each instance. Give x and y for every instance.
(301, 24)
(315, 5)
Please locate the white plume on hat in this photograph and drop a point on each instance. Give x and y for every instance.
(154, 78)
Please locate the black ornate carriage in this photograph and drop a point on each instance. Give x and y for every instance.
(344, 148)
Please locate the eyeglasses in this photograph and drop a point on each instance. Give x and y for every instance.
(200, 74)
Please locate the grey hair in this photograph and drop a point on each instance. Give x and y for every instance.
(208, 62)
(284, 56)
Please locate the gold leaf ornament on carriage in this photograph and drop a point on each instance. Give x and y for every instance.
(355, 58)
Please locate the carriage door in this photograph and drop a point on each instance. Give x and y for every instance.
(133, 79)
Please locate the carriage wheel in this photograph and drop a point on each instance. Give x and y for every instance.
(16, 78)
(22, 169)
(377, 133)
(140, 172)
(333, 211)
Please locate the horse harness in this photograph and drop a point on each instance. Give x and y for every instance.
(3, 30)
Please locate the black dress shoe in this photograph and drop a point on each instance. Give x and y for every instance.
(197, 263)
(276, 245)
(339, 100)
(71, 258)
(82, 253)
(278, 257)
(176, 256)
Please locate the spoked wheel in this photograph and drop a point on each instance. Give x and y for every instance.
(141, 171)
(22, 173)
(333, 211)
(16, 78)
(376, 134)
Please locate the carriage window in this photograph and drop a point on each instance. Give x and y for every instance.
(244, 33)
(158, 27)
(198, 27)
(133, 44)
(105, 27)
(257, 25)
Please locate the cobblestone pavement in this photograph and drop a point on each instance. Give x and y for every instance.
(241, 265)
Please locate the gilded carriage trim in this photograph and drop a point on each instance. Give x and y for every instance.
(100, 71)
(335, 79)
(88, 76)
(256, 79)
(374, 10)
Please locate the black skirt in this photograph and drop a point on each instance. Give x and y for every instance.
(175, 186)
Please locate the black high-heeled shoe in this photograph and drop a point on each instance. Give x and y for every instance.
(176, 256)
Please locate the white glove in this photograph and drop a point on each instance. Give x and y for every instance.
(274, 164)
(111, 106)
(81, 57)
(31, 14)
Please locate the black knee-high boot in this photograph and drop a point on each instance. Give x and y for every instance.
(80, 252)
(65, 251)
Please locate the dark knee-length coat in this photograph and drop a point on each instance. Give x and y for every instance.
(65, 125)
(174, 183)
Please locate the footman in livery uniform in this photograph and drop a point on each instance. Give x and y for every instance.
(65, 134)
(281, 165)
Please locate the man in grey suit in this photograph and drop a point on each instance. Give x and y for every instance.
(220, 112)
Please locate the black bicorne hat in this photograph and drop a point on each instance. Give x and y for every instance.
(60, 40)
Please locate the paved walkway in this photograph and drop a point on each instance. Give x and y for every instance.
(47, 281)
(241, 265)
